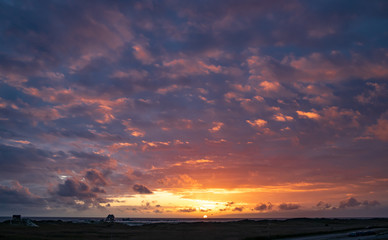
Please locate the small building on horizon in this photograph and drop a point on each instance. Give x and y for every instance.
(16, 219)
(110, 218)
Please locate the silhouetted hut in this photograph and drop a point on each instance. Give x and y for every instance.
(16, 219)
(110, 218)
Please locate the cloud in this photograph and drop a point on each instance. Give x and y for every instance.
(263, 206)
(75, 188)
(309, 115)
(17, 194)
(352, 203)
(260, 126)
(216, 127)
(238, 209)
(189, 66)
(142, 54)
(282, 118)
(269, 86)
(380, 129)
(141, 189)
(323, 205)
(371, 95)
(187, 210)
(95, 177)
(26, 163)
(288, 206)
(339, 118)
(258, 123)
(182, 180)
(314, 68)
(77, 194)
(370, 203)
(90, 156)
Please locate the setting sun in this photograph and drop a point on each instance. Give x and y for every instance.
(204, 216)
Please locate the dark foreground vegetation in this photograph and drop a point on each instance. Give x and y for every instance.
(246, 229)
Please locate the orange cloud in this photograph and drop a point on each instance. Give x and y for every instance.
(259, 123)
(216, 127)
(134, 131)
(310, 115)
(282, 118)
(181, 181)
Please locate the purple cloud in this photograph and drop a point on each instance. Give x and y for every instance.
(288, 206)
(141, 189)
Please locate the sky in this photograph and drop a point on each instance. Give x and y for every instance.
(189, 108)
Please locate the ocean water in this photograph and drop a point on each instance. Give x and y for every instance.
(135, 221)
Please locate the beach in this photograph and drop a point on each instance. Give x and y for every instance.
(302, 228)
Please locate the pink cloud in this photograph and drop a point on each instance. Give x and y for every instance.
(369, 96)
(132, 73)
(315, 67)
(269, 86)
(380, 129)
(182, 123)
(333, 117)
(169, 89)
(340, 118)
(142, 54)
(186, 66)
(134, 131)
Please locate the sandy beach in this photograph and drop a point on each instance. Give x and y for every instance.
(245, 229)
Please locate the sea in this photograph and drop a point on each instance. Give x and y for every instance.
(137, 221)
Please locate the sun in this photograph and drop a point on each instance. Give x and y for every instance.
(204, 216)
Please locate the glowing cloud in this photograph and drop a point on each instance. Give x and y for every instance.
(310, 115)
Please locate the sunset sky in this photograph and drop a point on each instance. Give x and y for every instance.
(185, 108)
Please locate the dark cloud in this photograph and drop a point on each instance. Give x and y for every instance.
(26, 163)
(263, 206)
(288, 206)
(370, 203)
(205, 210)
(89, 156)
(187, 210)
(98, 190)
(238, 209)
(18, 194)
(141, 189)
(95, 177)
(77, 194)
(352, 203)
(75, 188)
(323, 205)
